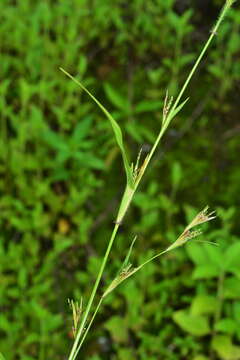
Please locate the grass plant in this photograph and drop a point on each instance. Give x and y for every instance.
(134, 174)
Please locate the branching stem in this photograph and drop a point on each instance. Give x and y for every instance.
(129, 192)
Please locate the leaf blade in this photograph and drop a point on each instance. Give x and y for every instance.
(173, 112)
(116, 128)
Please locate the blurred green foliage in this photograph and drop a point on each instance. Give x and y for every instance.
(61, 178)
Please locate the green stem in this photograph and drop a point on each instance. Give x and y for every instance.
(177, 101)
(88, 328)
(126, 200)
(73, 352)
(128, 195)
(213, 33)
(152, 258)
(101, 300)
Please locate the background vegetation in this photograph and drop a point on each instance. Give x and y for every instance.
(61, 177)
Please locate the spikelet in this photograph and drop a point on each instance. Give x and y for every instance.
(76, 314)
(166, 107)
(202, 217)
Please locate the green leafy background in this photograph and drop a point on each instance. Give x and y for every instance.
(61, 178)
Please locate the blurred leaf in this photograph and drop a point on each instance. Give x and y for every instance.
(231, 289)
(176, 174)
(236, 311)
(203, 304)
(196, 253)
(116, 98)
(206, 271)
(147, 106)
(226, 325)
(117, 327)
(82, 66)
(193, 324)
(89, 160)
(54, 140)
(133, 129)
(215, 255)
(225, 349)
(232, 256)
(81, 130)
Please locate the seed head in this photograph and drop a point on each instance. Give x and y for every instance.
(201, 218)
(167, 105)
(188, 233)
(76, 314)
(124, 274)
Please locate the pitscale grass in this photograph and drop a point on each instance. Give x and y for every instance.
(134, 174)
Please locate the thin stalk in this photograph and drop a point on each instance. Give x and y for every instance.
(89, 305)
(213, 33)
(177, 101)
(101, 300)
(153, 258)
(125, 203)
(89, 326)
(202, 217)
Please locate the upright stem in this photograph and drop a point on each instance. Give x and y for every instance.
(89, 326)
(101, 300)
(89, 305)
(129, 192)
(177, 101)
(213, 33)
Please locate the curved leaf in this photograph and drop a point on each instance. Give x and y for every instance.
(116, 129)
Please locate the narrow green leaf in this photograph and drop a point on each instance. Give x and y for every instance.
(116, 129)
(126, 200)
(2, 357)
(126, 261)
(173, 113)
(125, 271)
